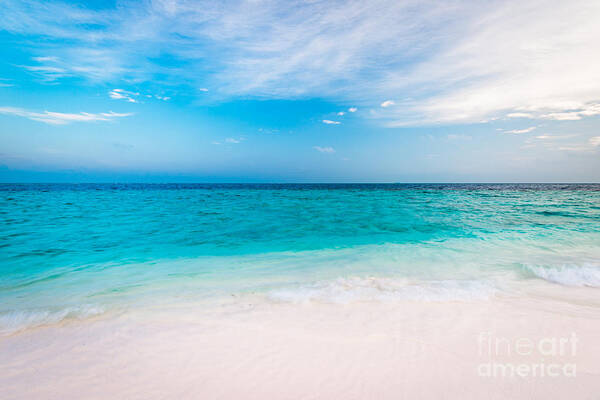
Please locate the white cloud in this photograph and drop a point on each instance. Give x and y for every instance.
(570, 113)
(528, 57)
(43, 68)
(586, 110)
(56, 118)
(387, 103)
(327, 149)
(50, 68)
(519, 131)
(459, 61)
(203, 89)
(232, 140)
(46, 59)
(120, 94)
(330, 122)
(352, 109)
(112, 114)
(47, 72)
(595, 141)
(562, 116)
(547, 137)
(4, 82)
(520, 115)
(341, 113)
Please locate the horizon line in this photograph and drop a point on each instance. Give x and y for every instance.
(295, 183)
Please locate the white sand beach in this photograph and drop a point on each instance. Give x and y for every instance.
(252, 349)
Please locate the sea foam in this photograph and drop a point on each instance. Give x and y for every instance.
(16, 321)
(348, 290)
(587, 274)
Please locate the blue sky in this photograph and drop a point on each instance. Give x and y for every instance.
(313, 91)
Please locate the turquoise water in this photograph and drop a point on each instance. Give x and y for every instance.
(77, 250)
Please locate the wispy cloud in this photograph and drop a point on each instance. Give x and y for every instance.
(229, 140)
(520, 115)
(570, 143)
(327, 149)
(570, 113)
(57, 118)
(352, 109)
(48, 73)
(519, 131)
(554, 137)
(330, 122)
(122, 94)
(5, 83)
(46, 59)
(49, 68)
(458, 61)
(591, 146)
(586, 110)
(387, 103)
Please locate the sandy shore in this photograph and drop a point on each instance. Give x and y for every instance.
(401, 350)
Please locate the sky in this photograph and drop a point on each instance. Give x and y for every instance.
(300, 91)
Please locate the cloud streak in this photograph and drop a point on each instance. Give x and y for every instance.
(520, 131)
(57, 118)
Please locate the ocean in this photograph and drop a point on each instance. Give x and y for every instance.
(69, 252)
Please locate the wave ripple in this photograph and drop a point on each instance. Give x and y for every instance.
(348, 290)
(16, 321)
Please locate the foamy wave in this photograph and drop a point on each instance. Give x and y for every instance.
(384, 290)
(15, 321)
(569, 275)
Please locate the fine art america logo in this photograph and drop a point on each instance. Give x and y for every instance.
(545, 357)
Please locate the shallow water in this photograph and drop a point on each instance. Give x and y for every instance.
(72, 251)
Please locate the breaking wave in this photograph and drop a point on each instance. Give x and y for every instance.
(569, 275)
